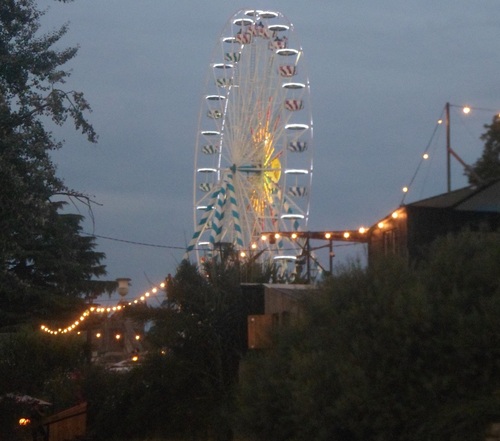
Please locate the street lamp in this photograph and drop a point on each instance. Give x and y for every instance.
(123, 284)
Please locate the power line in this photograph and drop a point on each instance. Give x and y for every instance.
(171, 247)
(131, 242)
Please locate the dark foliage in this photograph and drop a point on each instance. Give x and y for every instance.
(487, 167)
(388, 353)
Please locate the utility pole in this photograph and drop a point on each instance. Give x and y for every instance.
(448, 147)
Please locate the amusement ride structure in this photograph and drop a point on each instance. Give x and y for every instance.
(254, 156)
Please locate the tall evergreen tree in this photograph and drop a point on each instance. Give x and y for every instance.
(42, 254)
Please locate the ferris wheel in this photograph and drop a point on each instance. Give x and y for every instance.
(253, 155)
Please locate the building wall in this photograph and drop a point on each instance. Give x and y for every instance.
(281, 306)
(426, 224)
(415, 227)
(389, 237)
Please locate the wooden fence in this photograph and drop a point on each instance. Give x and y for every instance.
(68, 424)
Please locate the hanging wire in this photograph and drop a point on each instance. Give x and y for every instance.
(131, 242)
(422, 157)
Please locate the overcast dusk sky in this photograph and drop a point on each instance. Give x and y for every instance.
(380, 73)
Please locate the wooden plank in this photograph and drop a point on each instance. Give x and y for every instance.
(67, 424)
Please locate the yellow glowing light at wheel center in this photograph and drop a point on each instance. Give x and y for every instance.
(262, 195)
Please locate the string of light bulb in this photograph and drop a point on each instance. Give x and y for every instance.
(91, 310)
(466, 110)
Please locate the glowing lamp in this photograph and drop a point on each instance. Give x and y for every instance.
(123, 284)
(466, 110)
(346, 235)
(362, 230)
(328, 235)
(380, 225)
(24, 421)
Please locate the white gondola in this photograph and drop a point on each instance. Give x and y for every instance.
(215, 114)
(294, 105)
(232, 56)
(297, 146)
(296, 127)
(287, 52)
(297, 191)
(215, 97)
(287, 70)
(278, 28)
(295, 86)
(210, 149)
(206, 186)
(210, 133)
(296, 171)
(224, 82)
(243, 38)
(242, 22)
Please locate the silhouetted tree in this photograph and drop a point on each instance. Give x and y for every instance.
(44, 259)
(387, 352)
(487, 167)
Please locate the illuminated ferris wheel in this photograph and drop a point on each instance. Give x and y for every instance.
(253, 157)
